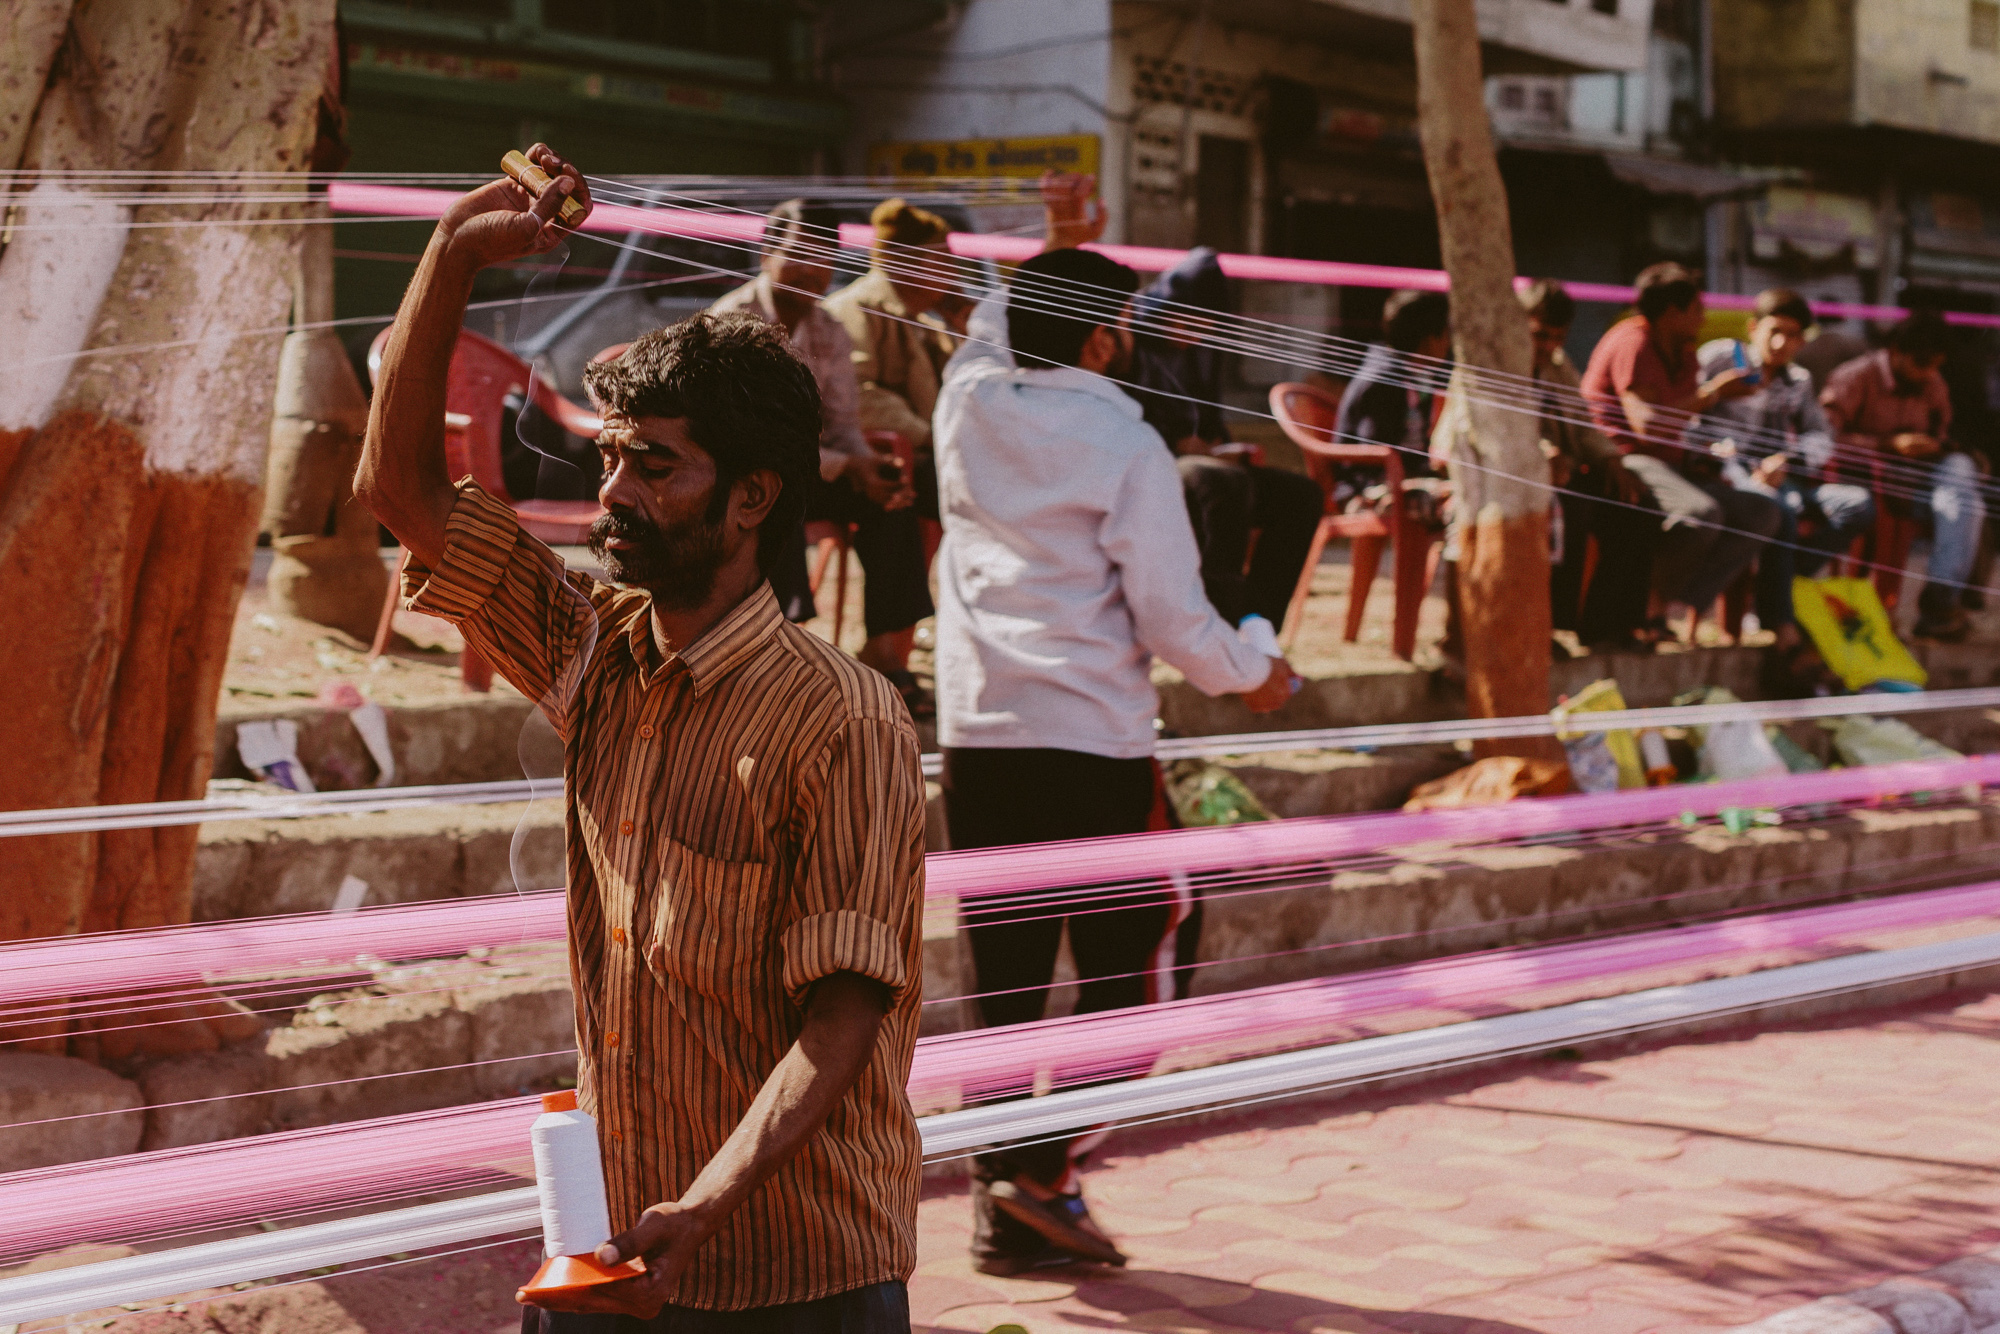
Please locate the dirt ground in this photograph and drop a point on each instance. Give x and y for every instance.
(276, 660)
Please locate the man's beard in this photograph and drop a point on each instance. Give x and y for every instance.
(678, 566)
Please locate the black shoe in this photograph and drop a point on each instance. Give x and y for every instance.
(1063, 1222)
(1009, 1265)
(1951, 628)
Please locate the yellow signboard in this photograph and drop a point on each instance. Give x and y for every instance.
(986, 157)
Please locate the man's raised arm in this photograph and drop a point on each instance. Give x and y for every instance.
(402, 476)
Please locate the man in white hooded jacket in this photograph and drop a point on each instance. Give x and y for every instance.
(1068, 563)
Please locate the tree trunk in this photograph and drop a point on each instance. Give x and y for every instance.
(326, 553)
(1501, 490)
(138, 424)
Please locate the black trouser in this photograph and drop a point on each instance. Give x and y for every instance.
(1225, 501)
(994, 798)
(897, 593)
(880, 1308)
(1615, 605)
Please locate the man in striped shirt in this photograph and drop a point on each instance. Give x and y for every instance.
(745, 812)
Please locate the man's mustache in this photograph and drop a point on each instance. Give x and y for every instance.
(630, 527)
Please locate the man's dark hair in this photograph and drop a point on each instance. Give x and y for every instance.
(1922, 335)
(1784, 303)
(1548, 301)
(1665, 287)
(1041, 329)
(1409, 317)
(802, 221)
(749, 402)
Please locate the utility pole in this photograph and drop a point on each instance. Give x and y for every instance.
(1500, 479)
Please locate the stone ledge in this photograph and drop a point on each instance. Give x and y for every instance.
(443, 1014)
(46, 1089)
(252, 868)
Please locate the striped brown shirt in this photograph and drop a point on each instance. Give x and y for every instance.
(744, 817)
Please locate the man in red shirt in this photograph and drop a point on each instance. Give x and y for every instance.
(1892, 414)
(1644, 393)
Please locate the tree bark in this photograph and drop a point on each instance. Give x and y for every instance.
(1501, 489)
(139, 425)
(326, 554)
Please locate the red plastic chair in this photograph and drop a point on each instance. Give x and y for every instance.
(1308, 414)
(481, 377)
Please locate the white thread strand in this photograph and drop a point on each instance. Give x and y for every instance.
(154, 814)
(953, 1134)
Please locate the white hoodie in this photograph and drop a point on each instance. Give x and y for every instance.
(1067, 562)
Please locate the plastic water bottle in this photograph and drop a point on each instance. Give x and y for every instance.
(1258, 633)
(569, 1178)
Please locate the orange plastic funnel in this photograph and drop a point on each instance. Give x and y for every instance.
(565, 1275)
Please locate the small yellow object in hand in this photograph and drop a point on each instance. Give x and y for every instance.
(534, 180)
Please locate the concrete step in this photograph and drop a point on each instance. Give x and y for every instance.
(492, 1019)
(498, 736)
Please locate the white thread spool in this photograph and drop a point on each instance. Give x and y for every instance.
(569, 1178)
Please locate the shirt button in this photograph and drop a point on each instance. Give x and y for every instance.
(646, 730)
(610, 1039)
(624, 826)
(618, 934)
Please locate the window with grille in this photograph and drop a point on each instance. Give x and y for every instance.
(1157, 79)
(1984, 34)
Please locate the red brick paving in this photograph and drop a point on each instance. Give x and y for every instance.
(1673, 1190)
(1667, 1191)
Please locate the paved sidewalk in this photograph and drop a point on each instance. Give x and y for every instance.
(1691, 1187)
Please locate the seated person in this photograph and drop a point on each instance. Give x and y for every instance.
(1395, 399)
(1644, 392)
(1594, 496)
(1178, 382)
(855, 484)
(1774, 441)
(900, 342)
(1893, 404)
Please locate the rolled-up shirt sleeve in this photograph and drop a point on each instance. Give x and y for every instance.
(857, 906)
(511, 597)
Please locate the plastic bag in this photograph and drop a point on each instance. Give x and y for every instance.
(1600, 697)
(1852, 632)
(1732, 751)
(1488, 782)
(1208, 794)
(1863, 740)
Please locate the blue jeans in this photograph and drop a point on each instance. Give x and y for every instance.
(1955, 508)
(881, 1308)
(1840, 513)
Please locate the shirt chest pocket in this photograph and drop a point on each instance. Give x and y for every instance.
(710, 920)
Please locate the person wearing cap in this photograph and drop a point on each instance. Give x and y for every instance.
(744, 811)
